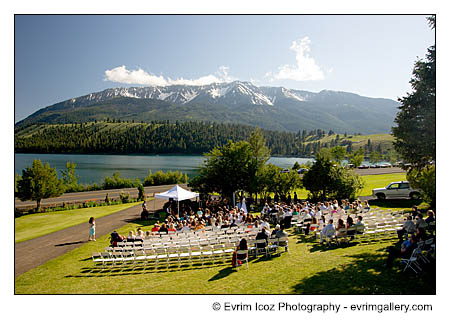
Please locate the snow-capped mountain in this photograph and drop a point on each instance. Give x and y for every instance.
(233, 93)
(275, 108)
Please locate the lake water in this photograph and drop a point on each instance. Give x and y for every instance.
(94, 168)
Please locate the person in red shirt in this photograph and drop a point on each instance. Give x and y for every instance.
(156, 227)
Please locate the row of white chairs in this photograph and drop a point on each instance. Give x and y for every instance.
(166, 255)
(193, 239)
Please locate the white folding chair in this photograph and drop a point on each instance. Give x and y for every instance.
(117, 258)
(184, 254)
(140, 257)
(172, 255)
(207, 253)
(161, 256)
(196, 254)
(218, 252)
(98, 259)
(107, 258)
(261, 247)
(272, 246)
(128, 258)
(412, 262)
(241, 257)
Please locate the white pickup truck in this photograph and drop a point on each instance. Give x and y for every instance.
(400, 189)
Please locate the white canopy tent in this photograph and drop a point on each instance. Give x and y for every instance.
(177, 193)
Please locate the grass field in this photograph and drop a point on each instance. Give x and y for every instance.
(380, 181)
(370, 182)
(35, 225)
(308, 268)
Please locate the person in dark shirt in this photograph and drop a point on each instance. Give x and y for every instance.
(262, 236)
(405, 251)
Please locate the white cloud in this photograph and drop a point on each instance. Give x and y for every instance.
(121, 74)
(305, 68)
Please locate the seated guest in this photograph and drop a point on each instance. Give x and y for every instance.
(116, 237)
(262, 235)
(171, 228)
(366, 207)
(333, 211)
(350, 226)
(408, 227)
(420, 223)
(313, 226)
(131, 237)
(241, 247)
(226, 224)
(276, 229)
(186, 227)
(421, 234)
(139, 235)
(264, 223)
(430, 217)
(339, 226)
(163, 229)
(322, 221)
(156, 227)
(405, 251)
(327, 231)
(280, 234)
(148, 235)
(431, 221)
(359, 220)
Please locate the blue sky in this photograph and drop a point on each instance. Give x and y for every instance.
(61, 57)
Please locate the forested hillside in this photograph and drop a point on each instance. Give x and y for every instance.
(179, 138)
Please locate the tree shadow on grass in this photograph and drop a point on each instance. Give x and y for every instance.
(225, 272)
(70, 243)
(333, 246)
(395, 203)
(368, 274)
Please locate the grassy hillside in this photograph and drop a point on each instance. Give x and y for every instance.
(385, 140)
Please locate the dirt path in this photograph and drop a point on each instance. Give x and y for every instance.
(32, 253)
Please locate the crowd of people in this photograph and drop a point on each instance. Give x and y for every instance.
(218, 214)
(326, 217)
(416, 229)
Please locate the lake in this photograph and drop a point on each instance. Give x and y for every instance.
(94, 168)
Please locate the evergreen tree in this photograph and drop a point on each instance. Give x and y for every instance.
(415, 133)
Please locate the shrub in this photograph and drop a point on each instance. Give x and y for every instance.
(161, 178)
(124, 197)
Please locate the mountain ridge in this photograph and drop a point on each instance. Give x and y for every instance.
(276, 108)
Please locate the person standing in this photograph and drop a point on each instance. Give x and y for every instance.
(91, 229)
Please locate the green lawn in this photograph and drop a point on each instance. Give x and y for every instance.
(307, 268)
(34, 225)
(380, 181)
(371, 182)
